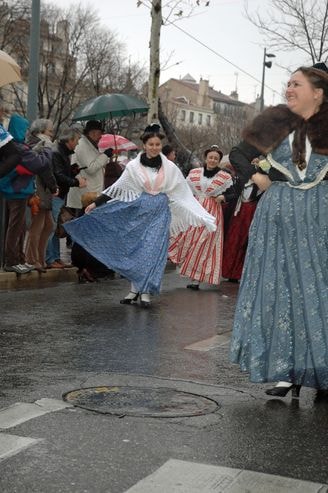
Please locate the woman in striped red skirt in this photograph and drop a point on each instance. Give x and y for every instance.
(198, 252)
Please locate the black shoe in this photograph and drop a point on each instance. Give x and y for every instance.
(130, 300)
(283, 391)
(144, 303)
(195, 287)
(85, 276)
(321, 395)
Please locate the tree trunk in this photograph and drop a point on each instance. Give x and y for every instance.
(154, 65)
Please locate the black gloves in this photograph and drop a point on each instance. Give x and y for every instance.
(109, 152)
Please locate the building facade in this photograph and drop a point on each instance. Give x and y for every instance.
(58, 68)
(189, 103)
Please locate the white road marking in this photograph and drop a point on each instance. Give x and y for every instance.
(22, 411)
(176, 476)
(211, 343)
(12, 444)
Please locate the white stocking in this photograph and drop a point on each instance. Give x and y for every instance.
(284, 384)
(132, 294)
(145, 297)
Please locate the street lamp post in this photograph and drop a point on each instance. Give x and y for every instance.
(33, 78)
(269, 65)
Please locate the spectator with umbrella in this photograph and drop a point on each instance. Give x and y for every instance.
(9, 153)
(113, 170)
(90, 162)
(114, 145)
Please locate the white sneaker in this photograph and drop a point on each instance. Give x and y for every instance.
(19, 269)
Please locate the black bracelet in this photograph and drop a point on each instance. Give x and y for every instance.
(102, 199)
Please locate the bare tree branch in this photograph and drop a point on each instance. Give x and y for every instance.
(294, 24)
(78, 59)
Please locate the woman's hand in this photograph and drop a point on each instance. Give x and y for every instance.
(90, 208)
(262, 181)
(220, 199)
(82, 181)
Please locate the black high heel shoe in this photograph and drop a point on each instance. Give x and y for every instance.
(321, 395)
(131, 299)
(194, 287)
(144, 303)
(283, 391)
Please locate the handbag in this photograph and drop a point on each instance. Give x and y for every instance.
(65, 215)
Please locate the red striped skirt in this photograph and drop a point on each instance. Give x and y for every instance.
(197, 251)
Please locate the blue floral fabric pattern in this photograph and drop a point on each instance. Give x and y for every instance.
(129, 237)
(280, 329)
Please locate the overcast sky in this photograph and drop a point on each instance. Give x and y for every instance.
(222, 27)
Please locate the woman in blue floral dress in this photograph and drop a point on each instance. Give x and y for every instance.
(130, 233)
(280, 331)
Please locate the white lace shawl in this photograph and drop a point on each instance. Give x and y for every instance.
(185, 209)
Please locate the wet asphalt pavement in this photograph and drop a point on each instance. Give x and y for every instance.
(70, 336)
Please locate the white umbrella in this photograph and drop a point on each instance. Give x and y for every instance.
(9, 70)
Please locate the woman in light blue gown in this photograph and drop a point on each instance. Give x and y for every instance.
(280, 331)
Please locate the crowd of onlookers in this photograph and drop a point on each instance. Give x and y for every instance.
(38, 176)
(42, 179)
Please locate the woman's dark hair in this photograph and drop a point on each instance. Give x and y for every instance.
(214, 148)
(317, 77)
(167, 149)
(153, 130)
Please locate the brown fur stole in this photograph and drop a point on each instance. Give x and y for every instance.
(270, 127)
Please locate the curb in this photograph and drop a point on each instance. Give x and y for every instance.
(34, 279)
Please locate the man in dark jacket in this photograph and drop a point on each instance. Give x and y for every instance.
(61, 163)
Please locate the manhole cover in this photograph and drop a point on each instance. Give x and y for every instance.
(141, 401)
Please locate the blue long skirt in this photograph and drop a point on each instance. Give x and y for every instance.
(281, 323)
(129, 237)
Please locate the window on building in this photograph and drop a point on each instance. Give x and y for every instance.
(183, 115)
(200, 118)
(208, 120)
(191, 117)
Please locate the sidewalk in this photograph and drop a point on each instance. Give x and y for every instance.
(10, 280)
(34, 279)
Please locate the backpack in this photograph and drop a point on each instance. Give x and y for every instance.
(20, 182)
